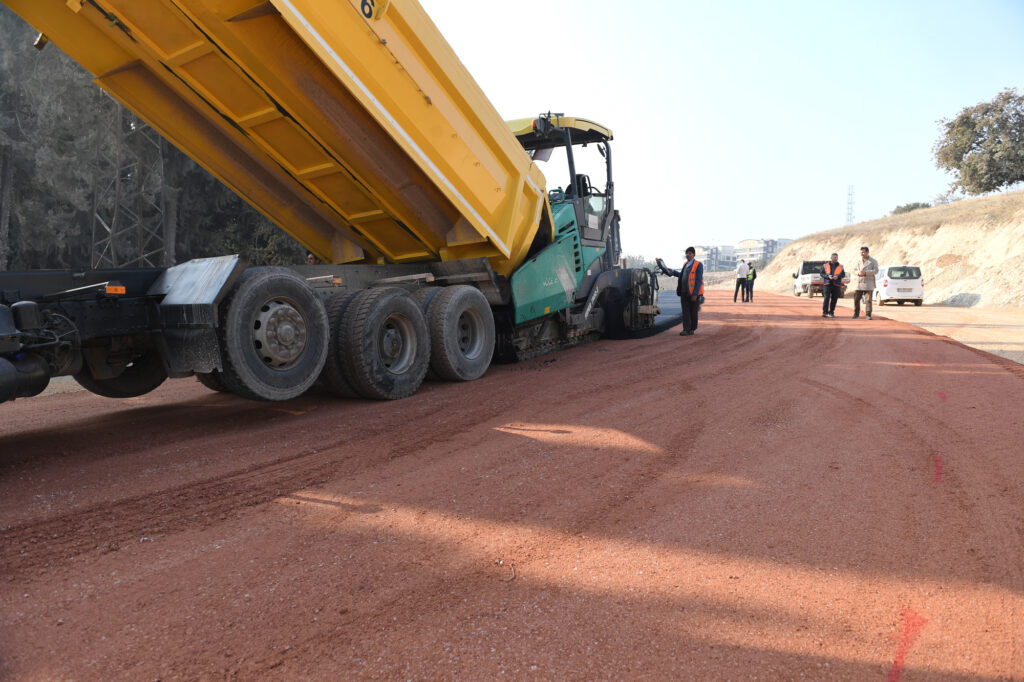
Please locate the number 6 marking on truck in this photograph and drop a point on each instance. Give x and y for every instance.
(374, 9)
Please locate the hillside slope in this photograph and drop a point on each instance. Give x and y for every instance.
(971, 252)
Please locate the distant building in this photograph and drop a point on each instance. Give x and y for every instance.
(722, 258)
(717, 258)
(760, 250)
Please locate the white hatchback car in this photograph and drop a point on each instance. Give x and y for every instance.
(900, 283)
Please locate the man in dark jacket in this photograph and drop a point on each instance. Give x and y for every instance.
(831, 285)
(690, 289)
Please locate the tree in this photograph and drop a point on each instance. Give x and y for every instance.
(984, 144)
(638, 261)
(53, 121)
(6, 192)
(47, 124)
(907, 208)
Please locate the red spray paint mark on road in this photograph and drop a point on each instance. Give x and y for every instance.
(911, 624)
(942, 396)
(938, 470)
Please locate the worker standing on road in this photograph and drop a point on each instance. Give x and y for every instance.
(741, 280)
(866, 271)
(751, 276)
(831, 285)
(690, 289)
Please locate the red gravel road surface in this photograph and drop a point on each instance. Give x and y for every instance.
(779, 496)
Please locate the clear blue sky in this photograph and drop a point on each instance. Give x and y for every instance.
(745, 119)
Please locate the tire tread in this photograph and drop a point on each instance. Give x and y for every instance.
(235, 375)
(446, 365)
(359, 362)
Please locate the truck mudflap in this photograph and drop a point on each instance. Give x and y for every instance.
(190, 295)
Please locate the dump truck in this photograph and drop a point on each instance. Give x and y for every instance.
(353, 126)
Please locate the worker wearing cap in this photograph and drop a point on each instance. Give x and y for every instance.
(690, 289)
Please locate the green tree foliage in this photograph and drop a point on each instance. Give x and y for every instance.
(54, 122)
(983, 145)
(907, 208)
(637, 261)
(215, 221)
(47, 123)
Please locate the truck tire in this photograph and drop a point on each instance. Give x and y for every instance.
(273, 335)
(918, 302)
(461, 333)
(212, 380)
(140, 377)
(386, 344)
(333, 374)
(424, 296)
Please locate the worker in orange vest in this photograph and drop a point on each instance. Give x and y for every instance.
(831, 285)
(690, 288)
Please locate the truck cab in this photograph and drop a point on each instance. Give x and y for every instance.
(807, 278)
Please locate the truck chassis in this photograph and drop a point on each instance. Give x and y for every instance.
(270, 333)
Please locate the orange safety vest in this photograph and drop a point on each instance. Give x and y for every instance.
(828, 274)
(693, 280)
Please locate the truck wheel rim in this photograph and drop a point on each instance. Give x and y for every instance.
(397, 344)
(279, 334)
(471, 333)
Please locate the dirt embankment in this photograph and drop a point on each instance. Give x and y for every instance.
(967, 250)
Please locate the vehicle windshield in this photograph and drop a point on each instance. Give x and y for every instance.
(812, 267)
(554, 163)
(905, 272)
(591, 170)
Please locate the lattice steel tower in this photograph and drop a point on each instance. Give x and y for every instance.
(128, 197)
(849, 204)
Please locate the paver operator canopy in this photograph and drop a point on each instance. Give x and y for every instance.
(351, 124)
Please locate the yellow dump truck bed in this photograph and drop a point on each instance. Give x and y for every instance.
(363, 137)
